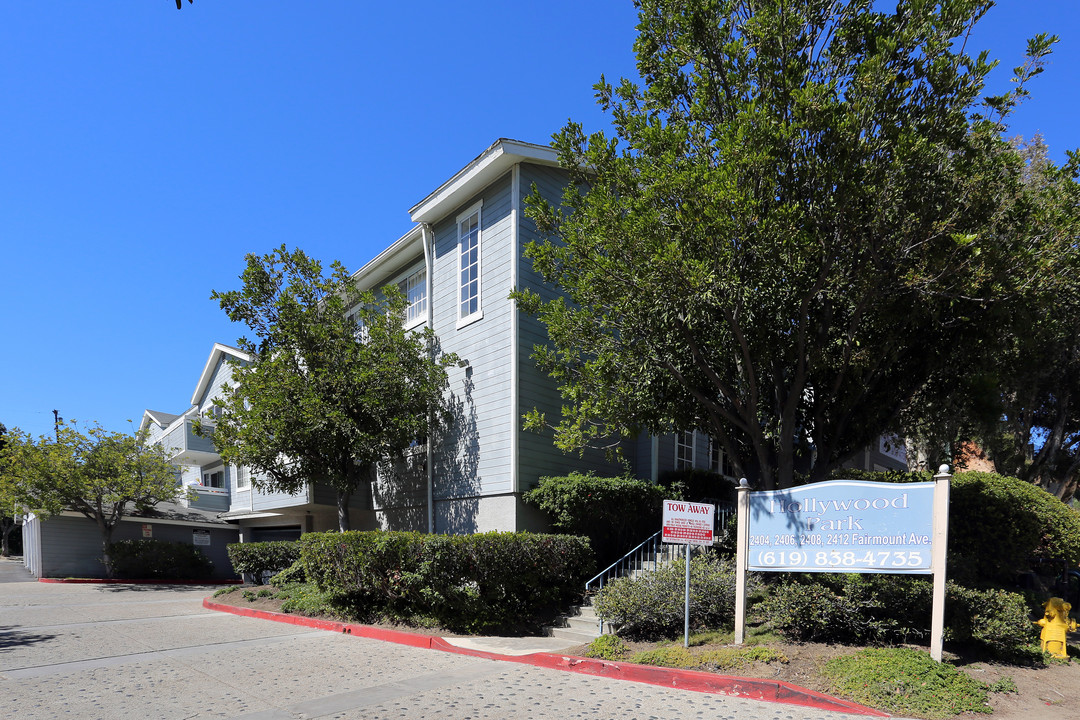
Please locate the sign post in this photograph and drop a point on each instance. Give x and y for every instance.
(846, 526)
(687, 523)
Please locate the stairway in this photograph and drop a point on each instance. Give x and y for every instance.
(579, 626)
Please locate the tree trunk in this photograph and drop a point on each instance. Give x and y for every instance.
(6, 527)
(106, 541)
(343, 511)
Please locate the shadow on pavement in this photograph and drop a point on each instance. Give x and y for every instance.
(11, 637)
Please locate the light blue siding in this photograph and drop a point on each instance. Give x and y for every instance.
(537, 454)
(478, 395)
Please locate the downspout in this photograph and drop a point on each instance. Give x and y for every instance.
(428, 241)
(515, 259)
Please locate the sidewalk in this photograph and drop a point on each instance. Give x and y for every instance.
(543, 652)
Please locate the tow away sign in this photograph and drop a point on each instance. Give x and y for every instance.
(688, 523)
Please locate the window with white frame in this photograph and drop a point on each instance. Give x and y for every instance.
(684, 450)
(469, 254)
(243, 478)
(215, 479)
(414, 288)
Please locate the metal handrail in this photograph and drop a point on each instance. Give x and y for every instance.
(647, 551)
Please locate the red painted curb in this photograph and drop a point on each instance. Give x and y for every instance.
(693, 680)
(101, 581)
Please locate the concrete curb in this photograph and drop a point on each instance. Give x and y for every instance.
(693, 680)
(107, 581)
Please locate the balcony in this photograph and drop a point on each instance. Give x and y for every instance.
(184, 447)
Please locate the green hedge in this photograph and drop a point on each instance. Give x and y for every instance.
(652, 605)
(151, 559)
(998, 525)
(615, 513)
(889, 609)
(257, 558)
(470, 582)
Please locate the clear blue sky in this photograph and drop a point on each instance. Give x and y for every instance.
(144, 151)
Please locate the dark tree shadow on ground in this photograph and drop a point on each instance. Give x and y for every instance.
(12, 637)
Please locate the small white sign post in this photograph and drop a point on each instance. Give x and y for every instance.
(687, 523)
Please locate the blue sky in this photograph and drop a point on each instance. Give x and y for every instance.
(144, 151)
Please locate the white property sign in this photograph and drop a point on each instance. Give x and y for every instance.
(687, 523)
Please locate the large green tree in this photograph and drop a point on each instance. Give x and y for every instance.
(8, 501)
(335, 384)
(804, 215)
(103, 475)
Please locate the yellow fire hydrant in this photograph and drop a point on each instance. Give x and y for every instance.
(1055, 623)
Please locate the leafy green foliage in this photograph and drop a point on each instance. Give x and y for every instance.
(607, 647)
(1025, 522)
(335, 384)
(470, 582)
(258, 558)
(858, 609)
(798, 196)
(652, 605)
(615, 513)
(153, 559)
(906, 681)
(101, 474)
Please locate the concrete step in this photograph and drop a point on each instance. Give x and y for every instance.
(572, 637)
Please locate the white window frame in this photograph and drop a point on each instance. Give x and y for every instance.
(415, 310)
(208, 479)
(681, 444)
(470, 317)
(243, 478)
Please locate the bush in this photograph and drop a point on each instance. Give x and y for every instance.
(607, 647)
(615, 513)
(151, 559)
(652, 605)
(890, 609)
(258, 558)
(998, 526)
(472, 582)
(907, 681)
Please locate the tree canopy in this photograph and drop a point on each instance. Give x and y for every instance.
(806, 214)
(335, 383)
(103, 475)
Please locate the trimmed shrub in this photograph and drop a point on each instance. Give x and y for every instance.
(891, 609)
(259, 558)
(148, 559)
(615, 513)
(472, 582)
(651, 605)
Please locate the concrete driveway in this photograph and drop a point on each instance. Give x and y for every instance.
(151, 651)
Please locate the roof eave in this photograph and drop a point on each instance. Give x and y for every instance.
(490, 164)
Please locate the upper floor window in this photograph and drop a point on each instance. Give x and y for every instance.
(214, 479)
(684, 450)
(243, 478)
(469, 254)
(719, 462)
(414, 288)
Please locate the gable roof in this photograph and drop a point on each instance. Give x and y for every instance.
(485, 168)
(216, 354)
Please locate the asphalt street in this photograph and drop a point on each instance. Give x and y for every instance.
(153, 651)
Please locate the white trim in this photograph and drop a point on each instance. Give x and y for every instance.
(515, 245)
(477, 210)
(375, 272)
(482, 171)
(679, 434)
(219, 351)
